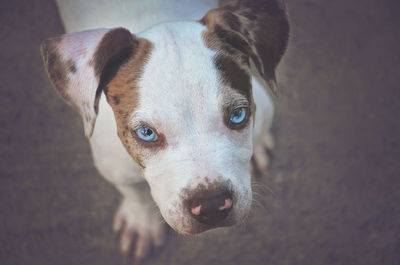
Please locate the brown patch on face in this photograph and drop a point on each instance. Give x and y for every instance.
(233, 74)
(233, 65)
(258, 29)
(122, 95)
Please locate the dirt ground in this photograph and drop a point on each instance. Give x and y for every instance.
(332, 195)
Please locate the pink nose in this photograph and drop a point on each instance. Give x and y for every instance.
(227, 205)
(212, 209)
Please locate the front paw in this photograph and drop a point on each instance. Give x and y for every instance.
(139, 228)
(262, 154)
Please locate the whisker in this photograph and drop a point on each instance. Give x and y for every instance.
(256, 185)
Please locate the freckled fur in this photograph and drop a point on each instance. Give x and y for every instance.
(258, 28)
(81, 64)
(55, 66)
(122, 95)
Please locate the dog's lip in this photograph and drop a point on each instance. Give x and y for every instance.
(198, 228)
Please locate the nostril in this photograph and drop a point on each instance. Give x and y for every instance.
(227, 204)
(196, 210)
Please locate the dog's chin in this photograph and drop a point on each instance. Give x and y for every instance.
(192, 227)
(200, 228)
(184, 223)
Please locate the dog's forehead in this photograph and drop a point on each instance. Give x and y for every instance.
(179, 78)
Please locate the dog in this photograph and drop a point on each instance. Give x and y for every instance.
(182, 105)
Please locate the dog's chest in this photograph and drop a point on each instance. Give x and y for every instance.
(135, 15)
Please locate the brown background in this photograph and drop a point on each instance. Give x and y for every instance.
(335, 175)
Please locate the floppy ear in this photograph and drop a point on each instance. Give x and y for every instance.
(258, 28)
(80, 64)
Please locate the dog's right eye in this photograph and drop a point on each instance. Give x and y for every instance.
(146, 134)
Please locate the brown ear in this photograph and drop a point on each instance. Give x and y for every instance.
(258, 28)
(80, 64)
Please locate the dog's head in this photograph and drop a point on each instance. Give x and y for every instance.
(182, 98)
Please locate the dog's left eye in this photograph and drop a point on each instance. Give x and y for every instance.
(146, 134)
(238, 116)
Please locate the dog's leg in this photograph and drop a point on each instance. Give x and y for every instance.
(263, 139)
(137, 223)
(262, 154)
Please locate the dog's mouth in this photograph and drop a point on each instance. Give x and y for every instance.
(195, 227)
(199, 207)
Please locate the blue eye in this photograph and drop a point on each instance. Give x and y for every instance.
(238, 116)
(146, 134)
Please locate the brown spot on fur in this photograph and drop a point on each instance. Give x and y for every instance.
(55, 66)
(211, 189)
(71, 66)
(116, 100)
(91, 62)
(257, 28)
(233, 74)
(132, 80)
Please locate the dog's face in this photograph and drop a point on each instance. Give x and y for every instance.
(202, 144)
(182, 99)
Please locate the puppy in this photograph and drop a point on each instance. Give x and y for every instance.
(174, 105)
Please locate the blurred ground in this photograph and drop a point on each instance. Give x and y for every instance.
(335, 174)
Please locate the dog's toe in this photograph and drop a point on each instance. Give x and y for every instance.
(262, 155)
(138, 230)
(260, 160)
(142, 247)
(126, 242)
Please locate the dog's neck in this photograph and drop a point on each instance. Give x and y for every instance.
(136, 15)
